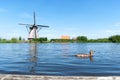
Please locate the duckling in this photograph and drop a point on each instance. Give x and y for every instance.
(85, 55)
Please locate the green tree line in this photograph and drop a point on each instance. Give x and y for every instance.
(83, 39)
(12, 40)
(62, 40)
(79, 39)
(40, 40)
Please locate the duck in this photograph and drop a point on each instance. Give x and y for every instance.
(85, 55)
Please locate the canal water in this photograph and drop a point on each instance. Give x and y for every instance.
(59, 59)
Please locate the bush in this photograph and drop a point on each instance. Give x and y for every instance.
(14, 40)
(115, 38)
(81, 39)
(41, 40)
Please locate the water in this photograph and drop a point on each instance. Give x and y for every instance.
(59, 59)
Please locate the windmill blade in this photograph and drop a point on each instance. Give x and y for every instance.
(25, 24)
(34, 18)
(42, 26)
(27, 29)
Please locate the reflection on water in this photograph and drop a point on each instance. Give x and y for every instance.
(90, 58)
(65, 49)
(33, 57)
(33, 52)
(59, 59)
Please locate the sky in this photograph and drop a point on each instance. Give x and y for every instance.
(91, 18)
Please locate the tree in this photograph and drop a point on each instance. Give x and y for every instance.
(3, 40)
(115, 38)
(41, 39)
(0, 39)
(81, 39)
(45, 39)
(14, 40)
(20, 38)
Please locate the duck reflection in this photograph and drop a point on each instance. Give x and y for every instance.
(33, 57)
(90, 58)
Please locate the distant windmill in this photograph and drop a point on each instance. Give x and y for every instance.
(33, 29)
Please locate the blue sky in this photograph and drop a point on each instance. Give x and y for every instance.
(91, 18)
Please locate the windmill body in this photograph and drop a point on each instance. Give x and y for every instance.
(33, 33)
(33, 29)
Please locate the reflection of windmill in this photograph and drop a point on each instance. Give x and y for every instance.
(33, 29)
(33, 57)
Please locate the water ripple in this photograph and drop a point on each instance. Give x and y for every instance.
(59, 59)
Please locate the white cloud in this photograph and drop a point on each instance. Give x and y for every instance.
(117, 24)
(112, 31)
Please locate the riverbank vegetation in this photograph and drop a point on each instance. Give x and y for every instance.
(79, 39)
(39, 40)
(84, 39)
(12, 40)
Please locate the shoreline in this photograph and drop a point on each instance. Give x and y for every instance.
(44, 77)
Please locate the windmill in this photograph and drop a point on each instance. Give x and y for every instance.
(33, 29)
